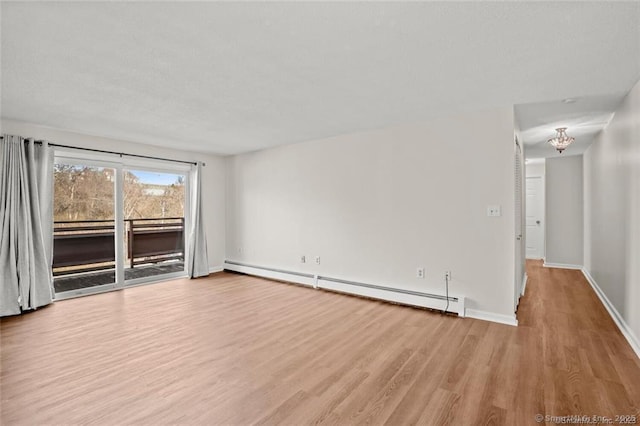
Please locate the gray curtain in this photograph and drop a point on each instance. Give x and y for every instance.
(197, 258)
(26, 237)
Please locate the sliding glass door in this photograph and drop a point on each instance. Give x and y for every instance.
(154, 207)
(84, 247)
(117, 224)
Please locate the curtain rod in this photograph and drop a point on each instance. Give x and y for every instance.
(117, 153)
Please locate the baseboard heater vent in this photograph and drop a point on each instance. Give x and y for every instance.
(454, 304)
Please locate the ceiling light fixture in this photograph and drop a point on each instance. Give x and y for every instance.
(561, 141)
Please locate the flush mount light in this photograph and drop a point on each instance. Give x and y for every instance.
(561, 141)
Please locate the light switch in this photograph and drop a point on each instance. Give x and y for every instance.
(494, 211)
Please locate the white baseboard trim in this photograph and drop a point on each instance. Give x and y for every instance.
(401, 296)
(524, 284)
(615, 315)
(303, 279)
(493, 317)
(562, 266)
(394, 296)
(214, 269)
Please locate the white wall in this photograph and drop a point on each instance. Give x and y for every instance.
(213, 173)
(535, 168)
(564, 211)
(377, 205)
(612, 200)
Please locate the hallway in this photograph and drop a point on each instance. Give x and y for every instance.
(583, 364)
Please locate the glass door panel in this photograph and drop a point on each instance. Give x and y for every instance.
(84, 254)
(154, 206)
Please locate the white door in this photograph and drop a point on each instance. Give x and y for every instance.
(535, 218)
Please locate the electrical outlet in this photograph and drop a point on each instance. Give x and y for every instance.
(318, 260)
(239, 250)
(303, 259)
(447, 275)
(420, 273)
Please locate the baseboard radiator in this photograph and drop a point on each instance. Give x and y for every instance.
(396, 295)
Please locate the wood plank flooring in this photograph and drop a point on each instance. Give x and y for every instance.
(236, 350)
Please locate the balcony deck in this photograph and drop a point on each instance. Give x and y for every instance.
(93, 279)
(84, 251)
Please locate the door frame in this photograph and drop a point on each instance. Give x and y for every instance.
(119, 164)
(519, 229)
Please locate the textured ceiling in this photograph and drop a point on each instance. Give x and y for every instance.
(234, 77)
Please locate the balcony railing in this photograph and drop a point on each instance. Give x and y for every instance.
(88, 245)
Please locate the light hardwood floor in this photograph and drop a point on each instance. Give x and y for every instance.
(238, 350)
